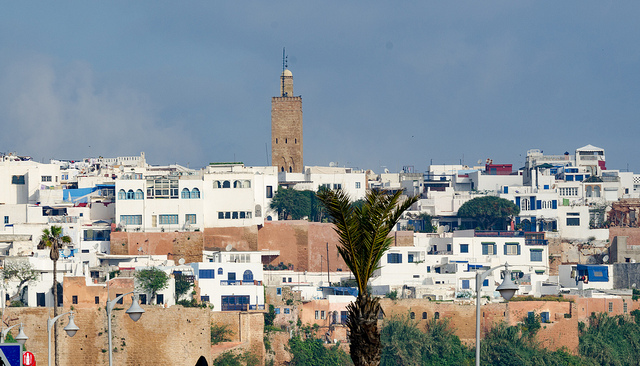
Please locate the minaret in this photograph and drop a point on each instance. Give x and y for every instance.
(286, 126)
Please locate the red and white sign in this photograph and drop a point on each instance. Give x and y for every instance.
(28, 359)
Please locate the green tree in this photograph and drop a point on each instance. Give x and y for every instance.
(152, 280)
(312, 352)
(21, 271)
(269, 316)
(363, 234)
(489, 211)
(55, 240)
(291, 204)
(220, 333)
(182, 286)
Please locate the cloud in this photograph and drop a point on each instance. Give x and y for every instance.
(49, 111)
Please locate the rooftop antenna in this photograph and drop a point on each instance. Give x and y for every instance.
(284, 67)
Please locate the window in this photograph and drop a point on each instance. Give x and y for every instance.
(74, 299)
(412, 315)
(337, 186)
(227, 215)
(207, 273)
(231, 276)
(322, 314)
(6, 219)
(159, 299)
(205, 298)
(226, 184)
(17, 179)
(287, 310)
(279, 292)
(610, 306)
(424, 315)
(464, 248)
(143, 299)
(168, 219)
(195, 193)
(46, 178)
(131, 195)
(488, 249)
(544, 317)
(97, 300)
(131, 219)
(625, 307)
(465, 284)
(277, 311)
(190, 218)
(317, 314)
(436, 315)
(485, 283)
(234, 215)
(511, 249)
(269, 192)
(120, 301)
(220, 271)
(139, 194)
(394, 258)
(572, 220)
(220, 215)
(247, 276)
(122, 195)
(185, 193)
(535, 255)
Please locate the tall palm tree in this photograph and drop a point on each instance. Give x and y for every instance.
(55, 240)
(363, 232)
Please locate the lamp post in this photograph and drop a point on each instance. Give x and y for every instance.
(135, 312)
(507, 289)
(71, 328)
(21, 337)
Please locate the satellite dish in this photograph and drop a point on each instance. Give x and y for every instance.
(605, 259)
(228, 247)
(66, 252)
(386, 171)
(332, 164)
(479, 161)
(181, 261)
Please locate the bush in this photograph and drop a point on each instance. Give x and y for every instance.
(393, 295)
(220, 333)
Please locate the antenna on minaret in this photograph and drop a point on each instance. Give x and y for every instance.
(284, 67)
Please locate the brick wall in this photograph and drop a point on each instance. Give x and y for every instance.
(286, 127)
(176, 245)
(632, 232)
(238, 238)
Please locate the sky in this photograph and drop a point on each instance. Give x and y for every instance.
(384, 84)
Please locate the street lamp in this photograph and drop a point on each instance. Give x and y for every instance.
(21, 337)
(135, 312)
(507, 289)
(71, 328)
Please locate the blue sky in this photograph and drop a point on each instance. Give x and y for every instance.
(384, 84)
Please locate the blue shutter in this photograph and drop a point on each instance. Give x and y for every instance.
(506, 189)
(485, 249)
(495, 249)
(505, 249)
(518, 249)
(538, 204)
(554, 204)
(532, 203)
(485, 283)
(518, 201)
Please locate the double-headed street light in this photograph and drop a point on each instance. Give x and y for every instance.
(135, 312)
(507, 289)
(71, 328)
(20, 338)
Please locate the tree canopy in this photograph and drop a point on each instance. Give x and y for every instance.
(21, 271)
(152, 280)
(292, 204)
(488, 211)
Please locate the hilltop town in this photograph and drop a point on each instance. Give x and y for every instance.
(232, 252)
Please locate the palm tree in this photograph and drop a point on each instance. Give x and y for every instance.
(54, 239)
(363, 232)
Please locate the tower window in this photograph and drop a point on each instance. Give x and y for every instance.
(276, 140)
(286, 140)
(295, 141)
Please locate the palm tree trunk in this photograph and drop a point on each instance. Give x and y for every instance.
(363, 330)
(55, 311)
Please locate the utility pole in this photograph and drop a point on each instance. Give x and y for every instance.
(328, 270)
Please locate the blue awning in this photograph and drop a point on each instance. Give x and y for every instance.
(594, 273)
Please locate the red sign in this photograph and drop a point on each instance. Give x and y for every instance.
(28, 359)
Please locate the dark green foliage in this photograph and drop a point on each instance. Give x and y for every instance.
(393, 295)
(269, 316)
(192, 304)
(405, 344)
(312, 352)
(220, 333)
(489, 211)
(611, 340)
(152, 280)
(182, 286)
(291, 204)
(233, 359)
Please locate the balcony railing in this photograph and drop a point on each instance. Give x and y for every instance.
(240, 283)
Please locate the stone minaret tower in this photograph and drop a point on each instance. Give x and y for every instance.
(286, 127)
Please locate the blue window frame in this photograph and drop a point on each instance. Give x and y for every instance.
(394, 258)
(131, 195)
(489, 249)
(536, 255)
(139, 194)
(185, 194)
(131, 219)
(207, 273)
(465, 284)
(287, 310)
(247, 276)
(485, 283)
(277, 310)
(122, 195)
(464, 248)
(279, 291)
(190, 218)
(220, 271)
(195, 193)
(168, 219)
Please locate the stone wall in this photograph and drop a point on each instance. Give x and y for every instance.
(176, 245)
(286, 134)
(633, 234)
(234, 238)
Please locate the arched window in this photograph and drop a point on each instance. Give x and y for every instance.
(282, 169)
(130, 194)
(276, 140)
(436, 315)
(195, 193)
(247, 276)
(237, 184)
(424, 315)
(139, 194)
(525, 204)
(226, 184)
(246, 184)
(220, 271)
(596, 191)
(290, 169)
(216, 184)
(588, 193)
(413, 315)
(185, 193)
(122, 195)
(258, 211)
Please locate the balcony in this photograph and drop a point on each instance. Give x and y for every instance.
(240, 283)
